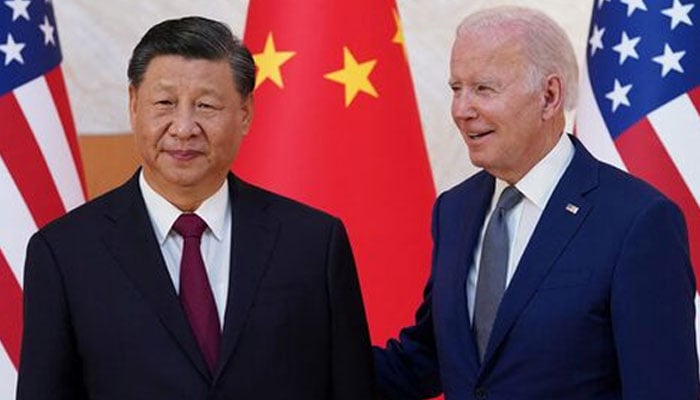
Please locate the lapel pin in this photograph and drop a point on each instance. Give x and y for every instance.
(572, 208)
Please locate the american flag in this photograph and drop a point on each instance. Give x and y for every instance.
(640, 97)
(40, 172)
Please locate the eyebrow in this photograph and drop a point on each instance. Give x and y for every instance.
(203, 91)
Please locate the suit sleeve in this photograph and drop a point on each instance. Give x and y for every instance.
(49, 362)
(652, 308)
(351, 359)
(407, 368)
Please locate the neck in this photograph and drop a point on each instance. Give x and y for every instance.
(184, 198)
(550, 138)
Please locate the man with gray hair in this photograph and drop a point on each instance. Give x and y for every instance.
(554, 276)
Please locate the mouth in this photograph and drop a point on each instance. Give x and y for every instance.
(183, 155)
(477, 136)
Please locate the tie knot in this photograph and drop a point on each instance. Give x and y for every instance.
(190, 225)
(510, 197)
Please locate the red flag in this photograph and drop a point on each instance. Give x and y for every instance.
(336, 126)
(40, 172)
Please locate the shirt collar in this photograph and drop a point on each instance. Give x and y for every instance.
(163, 213)
(539, 183)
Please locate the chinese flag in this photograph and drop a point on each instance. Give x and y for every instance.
(336, 126)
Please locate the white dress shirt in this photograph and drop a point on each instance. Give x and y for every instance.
(216, 239)
(537, 187)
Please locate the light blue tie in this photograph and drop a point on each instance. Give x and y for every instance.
(493, 268)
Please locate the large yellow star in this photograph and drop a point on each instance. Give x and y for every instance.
(354, 76)
(269, 63)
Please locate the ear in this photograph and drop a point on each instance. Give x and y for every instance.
(132, 103)
(553, 96)
(247, 108)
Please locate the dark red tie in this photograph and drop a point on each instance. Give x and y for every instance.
(195, 293)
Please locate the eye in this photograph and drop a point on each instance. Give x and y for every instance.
(164, 103)
(207, 106)
(455, 88)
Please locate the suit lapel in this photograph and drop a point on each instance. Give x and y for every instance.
(253, 238)
(478, 204)
(133, 244)
(553, 232)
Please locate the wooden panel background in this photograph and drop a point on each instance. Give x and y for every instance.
(108, 160)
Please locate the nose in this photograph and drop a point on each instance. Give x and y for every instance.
(463, 106)
(184, 123)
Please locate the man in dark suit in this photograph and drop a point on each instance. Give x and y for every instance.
(119, 306)
(554, 276)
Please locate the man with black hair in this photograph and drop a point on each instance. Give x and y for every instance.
(186, 282)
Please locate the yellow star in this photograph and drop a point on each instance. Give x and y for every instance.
(354, 76)
(398, 36)
(269, 63)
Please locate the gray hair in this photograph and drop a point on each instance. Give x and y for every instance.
(546, 44)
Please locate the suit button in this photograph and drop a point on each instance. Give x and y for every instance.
(480, 393)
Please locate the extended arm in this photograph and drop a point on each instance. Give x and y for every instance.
(407, 368)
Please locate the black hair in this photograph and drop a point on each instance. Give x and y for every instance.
(194, 38)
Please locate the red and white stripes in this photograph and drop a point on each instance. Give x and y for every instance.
(40, 179)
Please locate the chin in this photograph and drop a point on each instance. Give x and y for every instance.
(183, 179)
(477, 161)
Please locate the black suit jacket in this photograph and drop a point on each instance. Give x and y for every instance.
(103, 320)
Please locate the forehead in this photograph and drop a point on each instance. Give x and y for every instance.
(487, 49)
(167, 70)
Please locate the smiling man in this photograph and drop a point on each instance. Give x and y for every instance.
(186, 282)
(554, 276)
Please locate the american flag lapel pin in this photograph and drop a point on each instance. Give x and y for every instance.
(572, 208)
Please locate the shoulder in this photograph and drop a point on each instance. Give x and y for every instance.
(621, 190)
(480, 182)
(281, 207)
(615, 191)
(299, 228)
(86, 218)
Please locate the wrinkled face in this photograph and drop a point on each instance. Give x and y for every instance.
(188, 120)
(496, 106)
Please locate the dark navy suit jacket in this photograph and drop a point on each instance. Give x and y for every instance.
(601, 305)
(103, 320)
